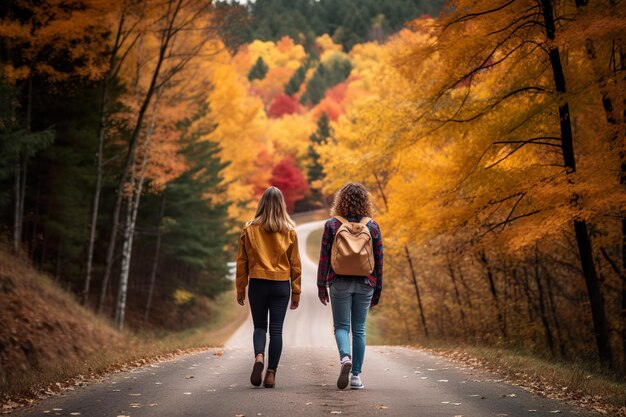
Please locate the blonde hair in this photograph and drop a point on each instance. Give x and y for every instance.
(352, 199)
(272, 214)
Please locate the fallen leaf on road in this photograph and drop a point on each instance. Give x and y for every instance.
(555, 411)
(188, 376)
(75, 413)
(219, 353)
(532, 411)
(511, 395)
(474, 395)
(158, 383)
(455, 403)
(445, 402)
(424, 377)
(123, 416)
(134, 394)
(57, 409)
(382, 407)
(240, 415)
(308, 403)
(442, 380)
(335, 412)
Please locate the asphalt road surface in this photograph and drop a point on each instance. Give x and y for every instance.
(398, 381)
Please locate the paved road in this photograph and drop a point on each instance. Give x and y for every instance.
(399, 381)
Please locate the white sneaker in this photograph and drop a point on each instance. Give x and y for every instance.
(356, 383)
(344, 374)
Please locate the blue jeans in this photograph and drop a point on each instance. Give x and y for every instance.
(350, 299)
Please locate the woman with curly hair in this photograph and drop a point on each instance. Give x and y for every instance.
(351, 295)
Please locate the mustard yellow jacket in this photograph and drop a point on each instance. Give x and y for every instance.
(268, 255)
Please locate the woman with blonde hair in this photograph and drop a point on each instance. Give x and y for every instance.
(351, 265)
(267, 261)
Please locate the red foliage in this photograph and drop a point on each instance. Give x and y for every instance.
(283, 104)
(332, 103)
(291, 181)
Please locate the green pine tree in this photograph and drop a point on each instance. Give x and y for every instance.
(197, 216)
(258, 70)
(315, 170)
(328, 74)
(296, 80)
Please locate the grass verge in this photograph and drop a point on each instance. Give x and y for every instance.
(575, 382)
(310, 216)
(313, 244)
(136, 349)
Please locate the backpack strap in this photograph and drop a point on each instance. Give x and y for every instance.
(343, 220)
(365, 220)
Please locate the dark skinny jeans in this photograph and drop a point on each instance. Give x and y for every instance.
(268, 296)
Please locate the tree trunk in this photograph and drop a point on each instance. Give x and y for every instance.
(542, 305)
(155, 262)
(583, 240)
(417, 290)
(555, 315)
(494, 293)
(457, 297)
(122, 289)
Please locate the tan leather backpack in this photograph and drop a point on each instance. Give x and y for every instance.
(352, 252)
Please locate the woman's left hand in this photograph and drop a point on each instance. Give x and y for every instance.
(294, 305)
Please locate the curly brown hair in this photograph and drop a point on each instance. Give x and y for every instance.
(352, 200)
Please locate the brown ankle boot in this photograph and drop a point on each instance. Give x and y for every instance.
(257, 371)
(270, 378)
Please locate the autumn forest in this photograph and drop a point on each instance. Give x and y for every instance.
(136, 137)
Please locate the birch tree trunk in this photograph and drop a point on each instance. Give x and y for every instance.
(131, 219)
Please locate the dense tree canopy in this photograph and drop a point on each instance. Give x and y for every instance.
(349, 22)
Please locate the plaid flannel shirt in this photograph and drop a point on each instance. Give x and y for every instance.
(325, 274)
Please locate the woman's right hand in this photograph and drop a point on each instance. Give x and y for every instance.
(324, 298)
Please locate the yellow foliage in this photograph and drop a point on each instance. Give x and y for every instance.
(182, 297)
